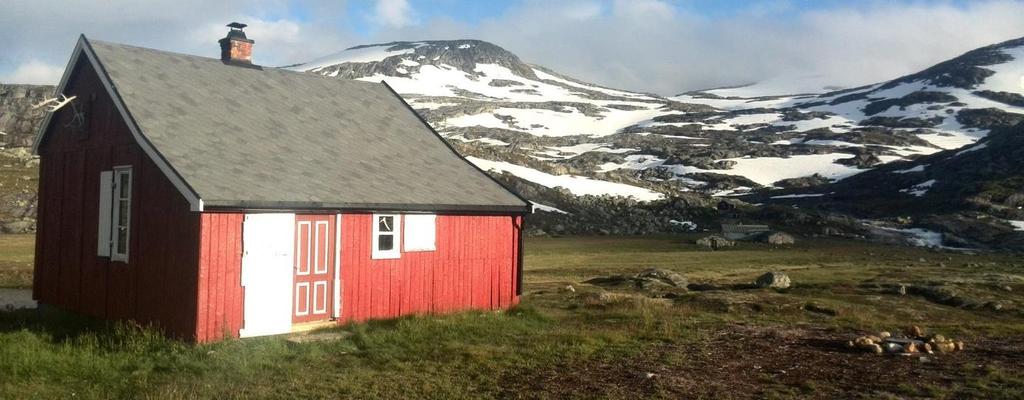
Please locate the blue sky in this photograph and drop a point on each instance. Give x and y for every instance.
(661, 46)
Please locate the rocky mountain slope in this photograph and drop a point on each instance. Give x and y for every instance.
(18, 121)
(973, 197)
(19, 170)
(555, 131)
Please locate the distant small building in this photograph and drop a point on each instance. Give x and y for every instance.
(744, 232)
(216, 198)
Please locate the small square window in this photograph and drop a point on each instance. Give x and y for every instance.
(385, 242)
(385, 223)
(386, 229)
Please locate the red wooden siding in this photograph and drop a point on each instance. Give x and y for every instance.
(219, 311)
(158, 283)
(474, 267)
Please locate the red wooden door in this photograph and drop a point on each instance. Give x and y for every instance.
(314, 268)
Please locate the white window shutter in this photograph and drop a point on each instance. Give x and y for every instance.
(420, 232)
(106, 204)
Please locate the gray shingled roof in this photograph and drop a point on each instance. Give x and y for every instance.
(271, 138)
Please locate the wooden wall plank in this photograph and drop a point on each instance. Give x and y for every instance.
(69, 271)
(219, 304)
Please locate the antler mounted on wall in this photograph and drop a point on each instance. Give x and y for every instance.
(57, 103)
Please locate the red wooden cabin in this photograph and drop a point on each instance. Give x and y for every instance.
(216, 198)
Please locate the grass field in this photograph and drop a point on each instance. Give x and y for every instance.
(561, 343)
(16, 253)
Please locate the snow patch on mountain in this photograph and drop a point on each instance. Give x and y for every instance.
(355, 55)
(919, 189)
(916, 168)
(546, 208)
(970, 149)
(542, 122)
(779, 86)
(798, 196)
(768, 170)
(546, 76)
(575, 150)
(578, 185)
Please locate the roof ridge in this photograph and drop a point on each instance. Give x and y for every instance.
(217, 60)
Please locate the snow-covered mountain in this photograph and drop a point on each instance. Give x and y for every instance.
(948, 106)
(555, 131)
(507, 115)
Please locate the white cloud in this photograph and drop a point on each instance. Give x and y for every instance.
(35, 72)
(638, 9)
(581, 10)
(394, 13)
(46, 30)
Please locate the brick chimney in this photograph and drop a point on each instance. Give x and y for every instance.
(235, 48)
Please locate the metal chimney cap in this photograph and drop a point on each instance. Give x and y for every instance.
(237, 25)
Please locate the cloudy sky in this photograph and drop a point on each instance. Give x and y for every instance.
(659, 46)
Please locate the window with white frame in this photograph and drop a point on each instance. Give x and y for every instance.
(386, 236)
(115, 208)
(420, 232)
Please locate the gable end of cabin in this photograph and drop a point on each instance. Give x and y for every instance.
(116, 238)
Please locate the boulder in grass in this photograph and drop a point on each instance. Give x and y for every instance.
(715, 242)
(773, 280)
(664, 276)
(780, 239)
(655, 282)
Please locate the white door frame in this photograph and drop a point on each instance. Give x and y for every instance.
(337, 268)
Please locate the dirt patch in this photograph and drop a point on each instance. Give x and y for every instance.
(740, 362)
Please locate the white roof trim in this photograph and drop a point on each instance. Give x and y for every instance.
(195, 203)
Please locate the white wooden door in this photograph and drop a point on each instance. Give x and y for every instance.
(267, 273)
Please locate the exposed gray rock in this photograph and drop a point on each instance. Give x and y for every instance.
(22, 226)
(773, 280)
(504, 83)
(652, 282)
(1008, 98)
(803, 182)
(17, 118)
(663, 275)
(987, 118)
